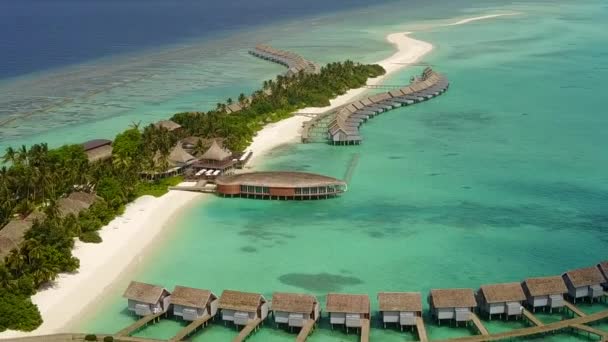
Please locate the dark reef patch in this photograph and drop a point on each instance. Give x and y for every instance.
(248, 249)
(320, 282)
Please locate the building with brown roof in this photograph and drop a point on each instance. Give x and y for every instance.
(499, 299)
(545, 291)
(279, 185)
(584, 282)
(98, 149)
(294, 309)
(347, 309)
(146, 299)
(400, 307)
(242, 307)
(191, 304)
(168, 125)
(603, 266)
(456, 304)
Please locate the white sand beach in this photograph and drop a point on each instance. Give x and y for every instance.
(483, 17)
(127, 237)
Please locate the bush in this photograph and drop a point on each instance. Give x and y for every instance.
(18, 312)
(90, 337)
(108, 339)
(90, 237)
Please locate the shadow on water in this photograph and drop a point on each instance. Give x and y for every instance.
(319, 282)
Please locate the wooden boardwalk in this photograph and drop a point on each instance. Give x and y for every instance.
(477, 322)
(365, 330)
(532, 319)
(139, 324)
(574, 309)
(602, 334)
(422, 337)
(248, 329)
(306, 330)
(190, 328)
(551, 327)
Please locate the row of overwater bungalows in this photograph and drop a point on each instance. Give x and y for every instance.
(352, 310)
(294, 62)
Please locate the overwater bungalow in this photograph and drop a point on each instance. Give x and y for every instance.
(294, 309)
(146, 299)
(452, 304)
(347, 309)
(545, 292)
(242, 307)
(192, 304)
(168, 125)
(584, 282)
(501, 299)
(98, 149)
(401, 308)
(603, 266)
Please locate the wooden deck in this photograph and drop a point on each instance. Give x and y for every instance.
(365, 330)
(574, 309)
(248, 329)
(532, 319)
(602, 334)
(552, 327)
(190, 328)
(306, 330)
(477, 322)
(139, 324)
(422, 337)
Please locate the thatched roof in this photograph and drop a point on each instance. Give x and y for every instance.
(400, 301)
(75, 203)
(603, 266)
(12, 234)
(179, 156)
(96, 143)
(191, 297)
(293, 302)
(502, 293)
(545, 286)
(216, 152)
(99, 153)
(144, 293)
(240, 301)
(585, 276)
(453, 298)
(168, 125)
(347, 303)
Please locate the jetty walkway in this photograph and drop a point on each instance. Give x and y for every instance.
(306, 330)
(247, 330)
(294, 62)
(142, 322)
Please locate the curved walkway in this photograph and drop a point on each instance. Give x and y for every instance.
(344, 128)
(294, 62)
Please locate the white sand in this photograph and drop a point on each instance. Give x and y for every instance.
(483, 17)
(126, 238)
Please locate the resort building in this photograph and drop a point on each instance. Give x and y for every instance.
(584, 282)
(242, 308)
(545, 292)
(216, 158)
(168, 125)
(294, 309)
(501, 299)
(452, 304)
(192, 304)
(145, 299)
(98, 149)
(603, 266)
(401, 308)
(176, 162)
(279, 185)
(347, 309)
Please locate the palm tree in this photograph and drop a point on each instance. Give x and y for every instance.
(10, 156)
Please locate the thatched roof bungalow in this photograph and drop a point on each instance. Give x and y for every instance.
(545, 291)
(454, 304)
(400, 307)
(242, 307)
(168, 125)
(98, 149)
(501, 299)
(146, 299)
(584, 282)
(294, 309)
(603, 266)
(347, 309)
(192, 304)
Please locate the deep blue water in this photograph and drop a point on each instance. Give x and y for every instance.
(36, 35)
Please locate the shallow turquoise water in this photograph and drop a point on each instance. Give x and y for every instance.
(502, 178)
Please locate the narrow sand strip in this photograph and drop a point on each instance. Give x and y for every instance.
(483, 17)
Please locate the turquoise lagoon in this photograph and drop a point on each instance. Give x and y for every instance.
(502, 178)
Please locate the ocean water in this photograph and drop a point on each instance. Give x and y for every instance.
(502, 178)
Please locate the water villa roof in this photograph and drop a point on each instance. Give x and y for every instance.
(191, 297)
(603, 266)
(545, 286)
(216, 152)
(240, 301)
(293, 302)
(400, 301)
(585, 276)
(144, 293)
(347, 303)
(168, 125)
(502, 293)
(279, 179)
(453, 298)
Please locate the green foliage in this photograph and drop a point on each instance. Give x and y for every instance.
(17, 312)
(90, 337)
(90, 237)
(157, 188)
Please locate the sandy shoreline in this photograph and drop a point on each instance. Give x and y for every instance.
(127, 237)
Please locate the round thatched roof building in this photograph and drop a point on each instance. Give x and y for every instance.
(280, 185)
